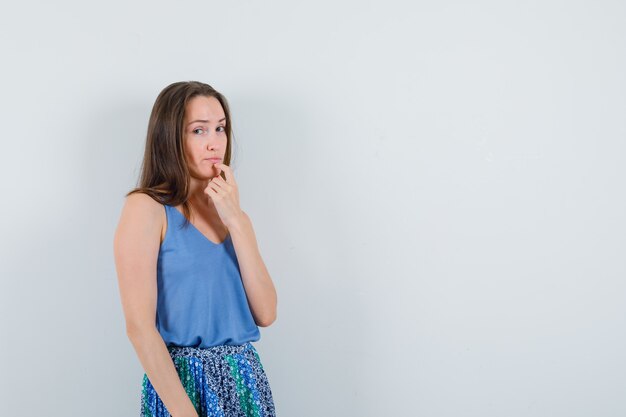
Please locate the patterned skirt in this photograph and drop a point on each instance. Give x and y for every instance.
(221, 381)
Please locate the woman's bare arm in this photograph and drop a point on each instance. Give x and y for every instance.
(257, 282)
(136, 248)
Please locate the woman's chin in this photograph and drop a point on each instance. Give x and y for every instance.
(205, 174)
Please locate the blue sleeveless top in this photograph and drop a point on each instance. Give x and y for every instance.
(201, 300)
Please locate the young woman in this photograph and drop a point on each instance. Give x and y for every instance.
(193, 285)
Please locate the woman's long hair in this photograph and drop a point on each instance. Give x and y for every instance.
(164, 173)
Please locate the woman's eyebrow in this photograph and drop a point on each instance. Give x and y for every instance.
(203, 121)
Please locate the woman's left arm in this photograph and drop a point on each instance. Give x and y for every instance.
(256, 279)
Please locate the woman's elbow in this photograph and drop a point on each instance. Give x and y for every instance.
(266, 321)
(136, 331)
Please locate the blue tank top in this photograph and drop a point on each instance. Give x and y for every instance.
(201, 300)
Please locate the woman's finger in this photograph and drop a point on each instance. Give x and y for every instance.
(228, 173)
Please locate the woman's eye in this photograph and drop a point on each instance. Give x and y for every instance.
(201, 131)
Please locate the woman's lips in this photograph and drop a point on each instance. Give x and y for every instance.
(214, 160)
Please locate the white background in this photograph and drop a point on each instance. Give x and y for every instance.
(437, 189)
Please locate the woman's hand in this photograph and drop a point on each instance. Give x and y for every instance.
(225, 196)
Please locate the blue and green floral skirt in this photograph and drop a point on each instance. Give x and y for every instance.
(224, 381)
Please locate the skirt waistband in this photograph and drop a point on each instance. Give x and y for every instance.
(209, 351)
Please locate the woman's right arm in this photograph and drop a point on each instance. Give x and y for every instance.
(136, 248)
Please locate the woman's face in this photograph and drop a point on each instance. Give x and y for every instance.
(204, 136)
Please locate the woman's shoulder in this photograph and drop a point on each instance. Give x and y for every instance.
(143, 202)
(142, 208)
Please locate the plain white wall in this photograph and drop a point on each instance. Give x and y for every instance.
(437, 189)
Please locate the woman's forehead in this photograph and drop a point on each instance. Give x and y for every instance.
(206, 109)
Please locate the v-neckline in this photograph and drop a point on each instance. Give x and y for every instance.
(199, 232)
